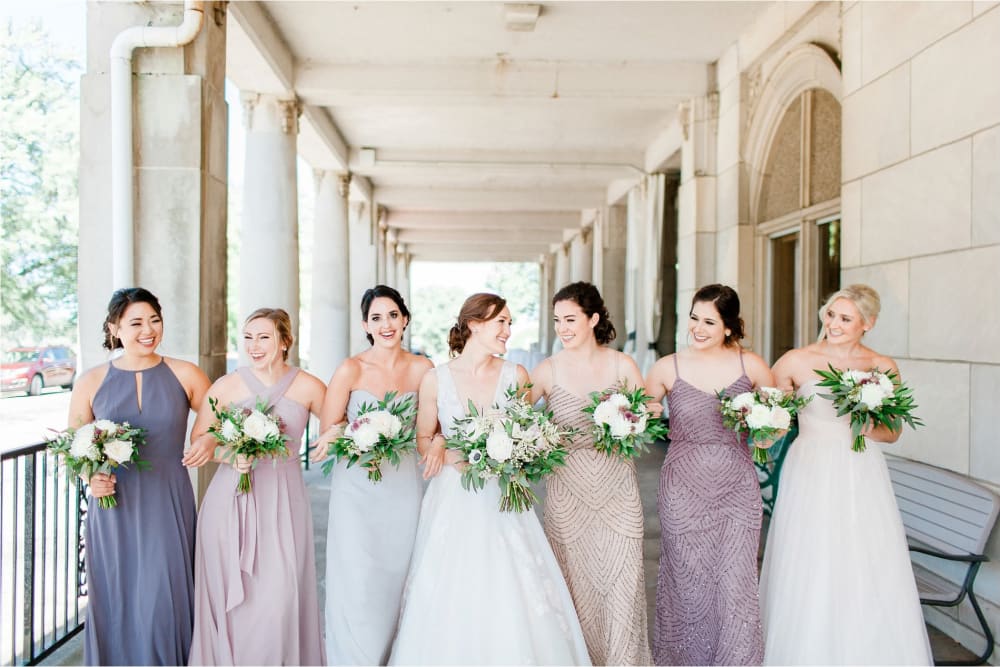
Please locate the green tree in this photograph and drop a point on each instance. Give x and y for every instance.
(39, 104)
(434, 309)
(518, 284)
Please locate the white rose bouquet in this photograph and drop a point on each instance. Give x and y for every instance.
(381, 431)
(869, 396)
(101, 446)
(514, 445)
(622, 424)
(761, 414)
(252, 434)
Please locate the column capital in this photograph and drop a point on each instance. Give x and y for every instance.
(248, 100)
(290, 112)
(344, 184)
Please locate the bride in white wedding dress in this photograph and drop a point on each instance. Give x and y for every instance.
(484, 586)
(836, 586)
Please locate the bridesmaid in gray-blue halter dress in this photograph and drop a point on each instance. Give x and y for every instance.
(139, 555)
(707, 610)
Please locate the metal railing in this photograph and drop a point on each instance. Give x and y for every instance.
(42, 584)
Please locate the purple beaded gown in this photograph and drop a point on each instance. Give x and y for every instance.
(707, 610)
(140, 554)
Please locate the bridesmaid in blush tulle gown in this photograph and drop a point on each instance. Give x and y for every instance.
(255, 572)
(372, 526)
(140, 554)
(710, 508)
(593, 511)
(837, 586)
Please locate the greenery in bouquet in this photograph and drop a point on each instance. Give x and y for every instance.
(253, 434)
(99, 447)
(515, 444)
(381, 431)
(873, 396)
(762, 414)
(623, 425)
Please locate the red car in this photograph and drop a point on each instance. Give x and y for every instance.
(31, 369)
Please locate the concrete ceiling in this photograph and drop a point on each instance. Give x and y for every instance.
(476, 127)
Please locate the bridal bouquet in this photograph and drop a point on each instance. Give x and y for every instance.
(515, 444)
(761, 414)
(869, 396)
(252, 434)
(622, 425)
(381, 431)
(101, 446)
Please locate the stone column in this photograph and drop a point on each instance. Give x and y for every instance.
(597, 250)
(561, 278)
(545, 279)
(381, 260)
(363, 269)
(582, 256)
(269, 240)
(612, 245)
(331, 274)
(390, 257)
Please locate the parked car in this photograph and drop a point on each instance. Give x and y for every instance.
(31, 369)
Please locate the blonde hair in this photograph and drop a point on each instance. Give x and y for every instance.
(282, 325)
(864, 298)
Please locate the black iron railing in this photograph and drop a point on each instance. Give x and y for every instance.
(42, 582)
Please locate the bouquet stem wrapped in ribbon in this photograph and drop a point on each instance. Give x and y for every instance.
(99, 447)
(869, 396)
(253, 434)
(762, 414)
(381, 431)
(515, 445)
(622, 423)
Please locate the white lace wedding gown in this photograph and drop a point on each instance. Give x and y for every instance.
(483, 587)
(836, 586)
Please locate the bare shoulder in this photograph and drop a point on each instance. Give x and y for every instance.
(543, 371)
(884, 362)
(663, 367)
(623, 360)
(308, 381)
(189, 374)
(754, 362)
(347, 373)
(91, 380)
(226, 386)
(522, 375)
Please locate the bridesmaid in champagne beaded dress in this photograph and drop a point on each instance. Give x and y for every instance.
(371, 526)
(707, 609)
(140, 554)
(255, 572)
(593, 511)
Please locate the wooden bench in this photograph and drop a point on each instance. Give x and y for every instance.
(950, 517)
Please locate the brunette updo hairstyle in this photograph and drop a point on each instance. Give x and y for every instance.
(120, 301)
(282, 326)
(727, 302)
(480, 307)
(389, 293)
(590, 301)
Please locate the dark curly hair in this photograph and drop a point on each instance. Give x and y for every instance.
(386, 292)
(480, 307)
(591, 302)
(727, 302)
(120, 301)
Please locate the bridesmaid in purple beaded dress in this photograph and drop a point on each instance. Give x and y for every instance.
(707, 611)
(256, 600)
(140, 571)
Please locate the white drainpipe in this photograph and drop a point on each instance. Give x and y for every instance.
(122, 186)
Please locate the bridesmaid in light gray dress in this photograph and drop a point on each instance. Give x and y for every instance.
(140, 570)
(372, 525)
(256, 599)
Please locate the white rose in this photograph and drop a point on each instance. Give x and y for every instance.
(385, 422)
(118, 451)
(887, 386)
(743, 401)
(83, 446)
(618, 400)
(229, 430)
(257, 425)
(272, 430)
(854, 375)
(872, 395)
(780, 419)
(499, 445)
(758, 417)
(620, 426)
(640, 426)
(605, 412)
(365, 436)
(107, 426)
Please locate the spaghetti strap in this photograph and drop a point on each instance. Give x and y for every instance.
(552, 362)
(618, 369)
(677, 371)
(742, 366)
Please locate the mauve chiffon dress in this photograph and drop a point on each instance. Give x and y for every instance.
(140, 554)
(256, 601)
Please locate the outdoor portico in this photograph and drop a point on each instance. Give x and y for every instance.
(782, 148)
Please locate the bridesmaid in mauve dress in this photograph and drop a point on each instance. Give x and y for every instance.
(140, 554)
(255, 572)
(593, 511)
(707, 609)
(372, 526)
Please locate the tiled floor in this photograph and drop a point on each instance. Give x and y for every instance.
(649, 474)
